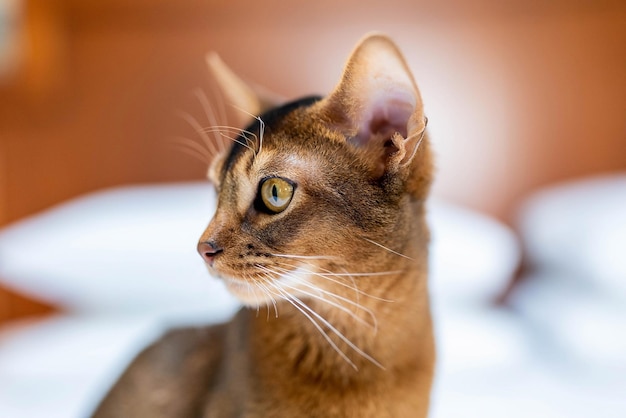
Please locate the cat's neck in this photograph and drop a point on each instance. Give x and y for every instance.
(389, 333)
(366, 346)
(295, 365)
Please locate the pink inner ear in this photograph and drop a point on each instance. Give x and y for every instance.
(383, 116)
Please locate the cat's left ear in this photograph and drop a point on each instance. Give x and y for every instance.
(248, 100)
(377, 104)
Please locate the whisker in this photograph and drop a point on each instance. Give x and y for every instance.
(204, 101)
(334, 304)
(237, 141)
(181, 140)
(261, 127)
(356, 294)
(196, 126)
(388, 249)
(286, 273)
(306, 257)
(193, 154)
(261, 133)
(339, 334)
(266, 290)
(212, 118)
(258, 285)
(286, 296)
(221, 109)
(326, 277)
(297, 303)
(228, 129)
(196, 151)
(377, 273)
(256, 298)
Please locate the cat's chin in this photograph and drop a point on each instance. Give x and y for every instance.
(247, 293)
(257, 293)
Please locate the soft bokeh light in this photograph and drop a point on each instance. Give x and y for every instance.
(526, 105)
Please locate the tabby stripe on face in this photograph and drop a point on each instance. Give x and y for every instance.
(271, 119)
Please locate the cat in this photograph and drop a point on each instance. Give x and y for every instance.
(320, 231)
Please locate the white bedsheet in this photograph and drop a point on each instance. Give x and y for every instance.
(490, 365)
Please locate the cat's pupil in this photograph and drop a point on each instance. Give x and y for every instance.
(275, 192)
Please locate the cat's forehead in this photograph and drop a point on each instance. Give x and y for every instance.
(279, 157)
(288, 139)
(272, 130)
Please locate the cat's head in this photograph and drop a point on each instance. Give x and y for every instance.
(321, 190)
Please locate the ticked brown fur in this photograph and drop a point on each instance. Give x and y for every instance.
(343, 326)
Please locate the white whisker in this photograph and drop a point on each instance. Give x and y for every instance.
(356, 295)
(222, 130)
(306, 257)
(374, 274)
(261, 127)
(204, 101)
(334, 304)
(280, 286)
(221, 109)
(194, 124)
(286, 296)
(230, 129)
(192, 148)
(256, 298)
(287, 271)
(261, 133)
(389, 249)
(330, 274)
(237, 141)
(338, 333)
(223, 134)
(266, 290)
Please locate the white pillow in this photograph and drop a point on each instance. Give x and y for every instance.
(577, 322)
(132, 249)
(61, 367)
(472, 256)
(129, 249)
(579, 228)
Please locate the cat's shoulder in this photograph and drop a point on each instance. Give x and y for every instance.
(170, 377)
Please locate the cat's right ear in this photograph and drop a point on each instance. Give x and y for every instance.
(247, 100)
(377, 105)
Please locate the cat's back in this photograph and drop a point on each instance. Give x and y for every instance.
(170, 378)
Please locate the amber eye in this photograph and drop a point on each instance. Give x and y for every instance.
(276, 194)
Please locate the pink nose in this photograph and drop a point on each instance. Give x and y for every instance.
(209, 250)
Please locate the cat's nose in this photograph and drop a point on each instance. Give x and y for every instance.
(209, 250)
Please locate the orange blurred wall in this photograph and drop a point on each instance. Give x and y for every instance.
(519, 94)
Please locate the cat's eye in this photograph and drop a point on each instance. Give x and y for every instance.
(276, 193)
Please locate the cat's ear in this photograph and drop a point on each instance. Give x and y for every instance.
(377, 104)
(246, 99)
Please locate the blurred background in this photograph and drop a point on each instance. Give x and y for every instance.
(520, 95)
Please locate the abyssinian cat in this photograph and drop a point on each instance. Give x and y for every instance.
(320, 231)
